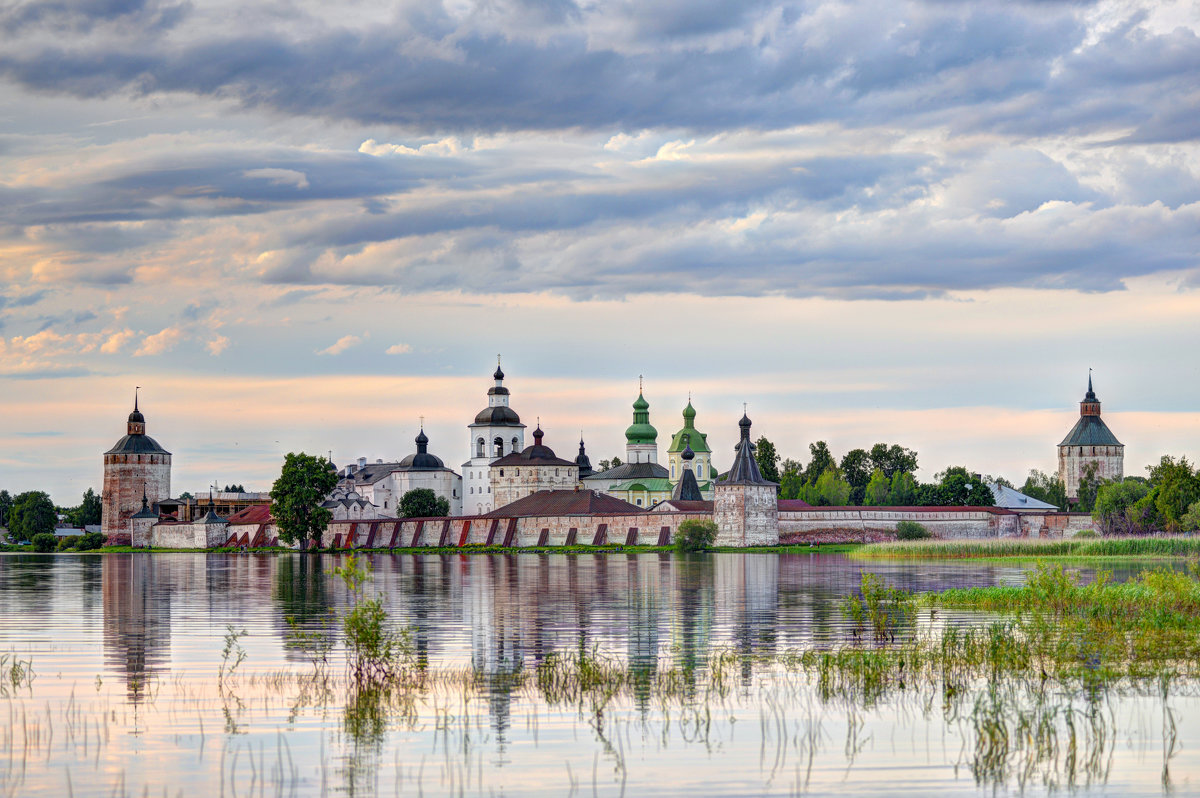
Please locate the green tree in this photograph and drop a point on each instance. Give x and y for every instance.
(88, 512)
(911, 530)
(296, 497)
(6, 503)
(423, 503)
(820, 460)
(1116, 510)
(1176, 486)
(44, 542)
(695, 536)
(32, 514)
(791, 481)
(1045, 487)
(607, 464)
(876, 493)
(767, 459)
(1089, 485)
(893, 459)
(1191, 519)
(856, 469)
(956, 487)
(235, 488)
(831, 489)
(903, 490)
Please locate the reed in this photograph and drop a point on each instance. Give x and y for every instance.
(1160, 546)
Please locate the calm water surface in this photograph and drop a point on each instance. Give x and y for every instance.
(127, 649)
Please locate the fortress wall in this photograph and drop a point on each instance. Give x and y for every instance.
(841, 524)
(515, 532)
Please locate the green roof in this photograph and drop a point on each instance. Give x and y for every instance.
(696, 439)
(640, 431)
(649, 485)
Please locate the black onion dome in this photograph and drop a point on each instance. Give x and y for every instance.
(498, 416)
(136, 417)
(422, 460)
(687, 453)
(499, 375)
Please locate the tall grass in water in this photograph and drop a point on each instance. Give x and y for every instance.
(1029, 548)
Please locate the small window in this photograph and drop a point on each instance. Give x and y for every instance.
(385, 504)
(501, 472)
(639, 502)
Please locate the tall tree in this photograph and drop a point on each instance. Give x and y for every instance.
(903, 490)
(957, 487)
(6, 503)
(856, 469)
(88, 511)
(1176, 486)
(791, 479)
(831, 489)
(767, 459)
(892, 459)
(423, 503)
(876, 493)
(1045, 487)
(296, 497)
(820, 461)
(1089, 486)
(32, 514)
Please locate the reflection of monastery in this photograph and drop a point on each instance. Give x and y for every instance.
(510, 494)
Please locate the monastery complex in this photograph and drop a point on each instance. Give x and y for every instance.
(509, 494)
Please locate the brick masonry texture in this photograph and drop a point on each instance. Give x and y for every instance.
(124, 476)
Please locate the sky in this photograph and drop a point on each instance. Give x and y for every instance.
(308, 226)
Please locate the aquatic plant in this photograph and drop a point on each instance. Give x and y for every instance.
(880, 606)
(1031, 548)
(375, 653)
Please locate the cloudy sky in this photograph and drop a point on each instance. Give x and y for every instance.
(306, 225)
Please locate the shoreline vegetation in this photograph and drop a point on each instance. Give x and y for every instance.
(1147, 547)
(614, 548)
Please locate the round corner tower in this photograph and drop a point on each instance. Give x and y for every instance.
(136, 467)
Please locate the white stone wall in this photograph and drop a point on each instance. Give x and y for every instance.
(746, 515)
(477, 487)
(942, 522)
(189, 536)
(1072, 460)
(388, 492)
(641, 453)
(510, 482)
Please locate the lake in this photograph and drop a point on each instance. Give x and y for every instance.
(192, 675)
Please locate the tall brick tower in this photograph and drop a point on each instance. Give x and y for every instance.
(135, 467)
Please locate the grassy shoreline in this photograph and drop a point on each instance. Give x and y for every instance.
(826, 548)
(1157, 547)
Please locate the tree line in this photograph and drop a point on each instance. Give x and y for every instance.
(1166, 500)
(881, 476)
(34, 513)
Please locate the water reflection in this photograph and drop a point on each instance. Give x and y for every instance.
(156, 622)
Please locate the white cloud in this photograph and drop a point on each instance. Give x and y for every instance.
(399, 349)
(279, 177)
(117, 341)
(162, 341)
(443, 147)
(340, 345)
(217, 345)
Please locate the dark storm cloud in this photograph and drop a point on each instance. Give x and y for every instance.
(659, 65)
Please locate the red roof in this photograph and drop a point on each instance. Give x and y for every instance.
(786, 505)
(564, 502)
(928, 508)
(254, 514)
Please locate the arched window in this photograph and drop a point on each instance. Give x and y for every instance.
(479, 448)
(515, 444)
(672, 471)
(499, 444)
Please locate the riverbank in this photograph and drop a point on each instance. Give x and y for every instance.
(1158, 547)
(826, 548)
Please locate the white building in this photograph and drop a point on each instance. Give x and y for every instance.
(383, 485)
(496, 432)
(1089, 445)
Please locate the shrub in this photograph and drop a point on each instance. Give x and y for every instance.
(1086, 533)
(911, 530)
(90, 541)
(68, 542)
(695, 535)
(45, 542)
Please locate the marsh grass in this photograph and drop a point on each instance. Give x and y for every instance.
(1030, 548)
